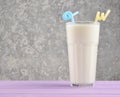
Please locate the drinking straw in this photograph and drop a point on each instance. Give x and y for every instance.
(68, 15)
(102, 16)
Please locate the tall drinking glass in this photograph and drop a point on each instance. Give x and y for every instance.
(82, 40)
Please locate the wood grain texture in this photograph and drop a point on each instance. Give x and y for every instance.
(58, 88)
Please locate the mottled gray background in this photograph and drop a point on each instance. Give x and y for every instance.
(33, 38)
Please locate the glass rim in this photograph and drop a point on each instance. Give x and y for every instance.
(83, 22)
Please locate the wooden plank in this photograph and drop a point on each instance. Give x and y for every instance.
(38, 95)
(47, 88)
(63, 91)
(54, 84)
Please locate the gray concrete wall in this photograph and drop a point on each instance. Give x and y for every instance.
(33, 38)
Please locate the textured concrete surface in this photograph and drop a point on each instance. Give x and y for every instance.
(33, 38)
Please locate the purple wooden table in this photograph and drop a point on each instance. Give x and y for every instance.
(58, 89)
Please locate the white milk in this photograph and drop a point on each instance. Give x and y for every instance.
(82, 39)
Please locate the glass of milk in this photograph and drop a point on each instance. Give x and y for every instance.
(82, 40)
